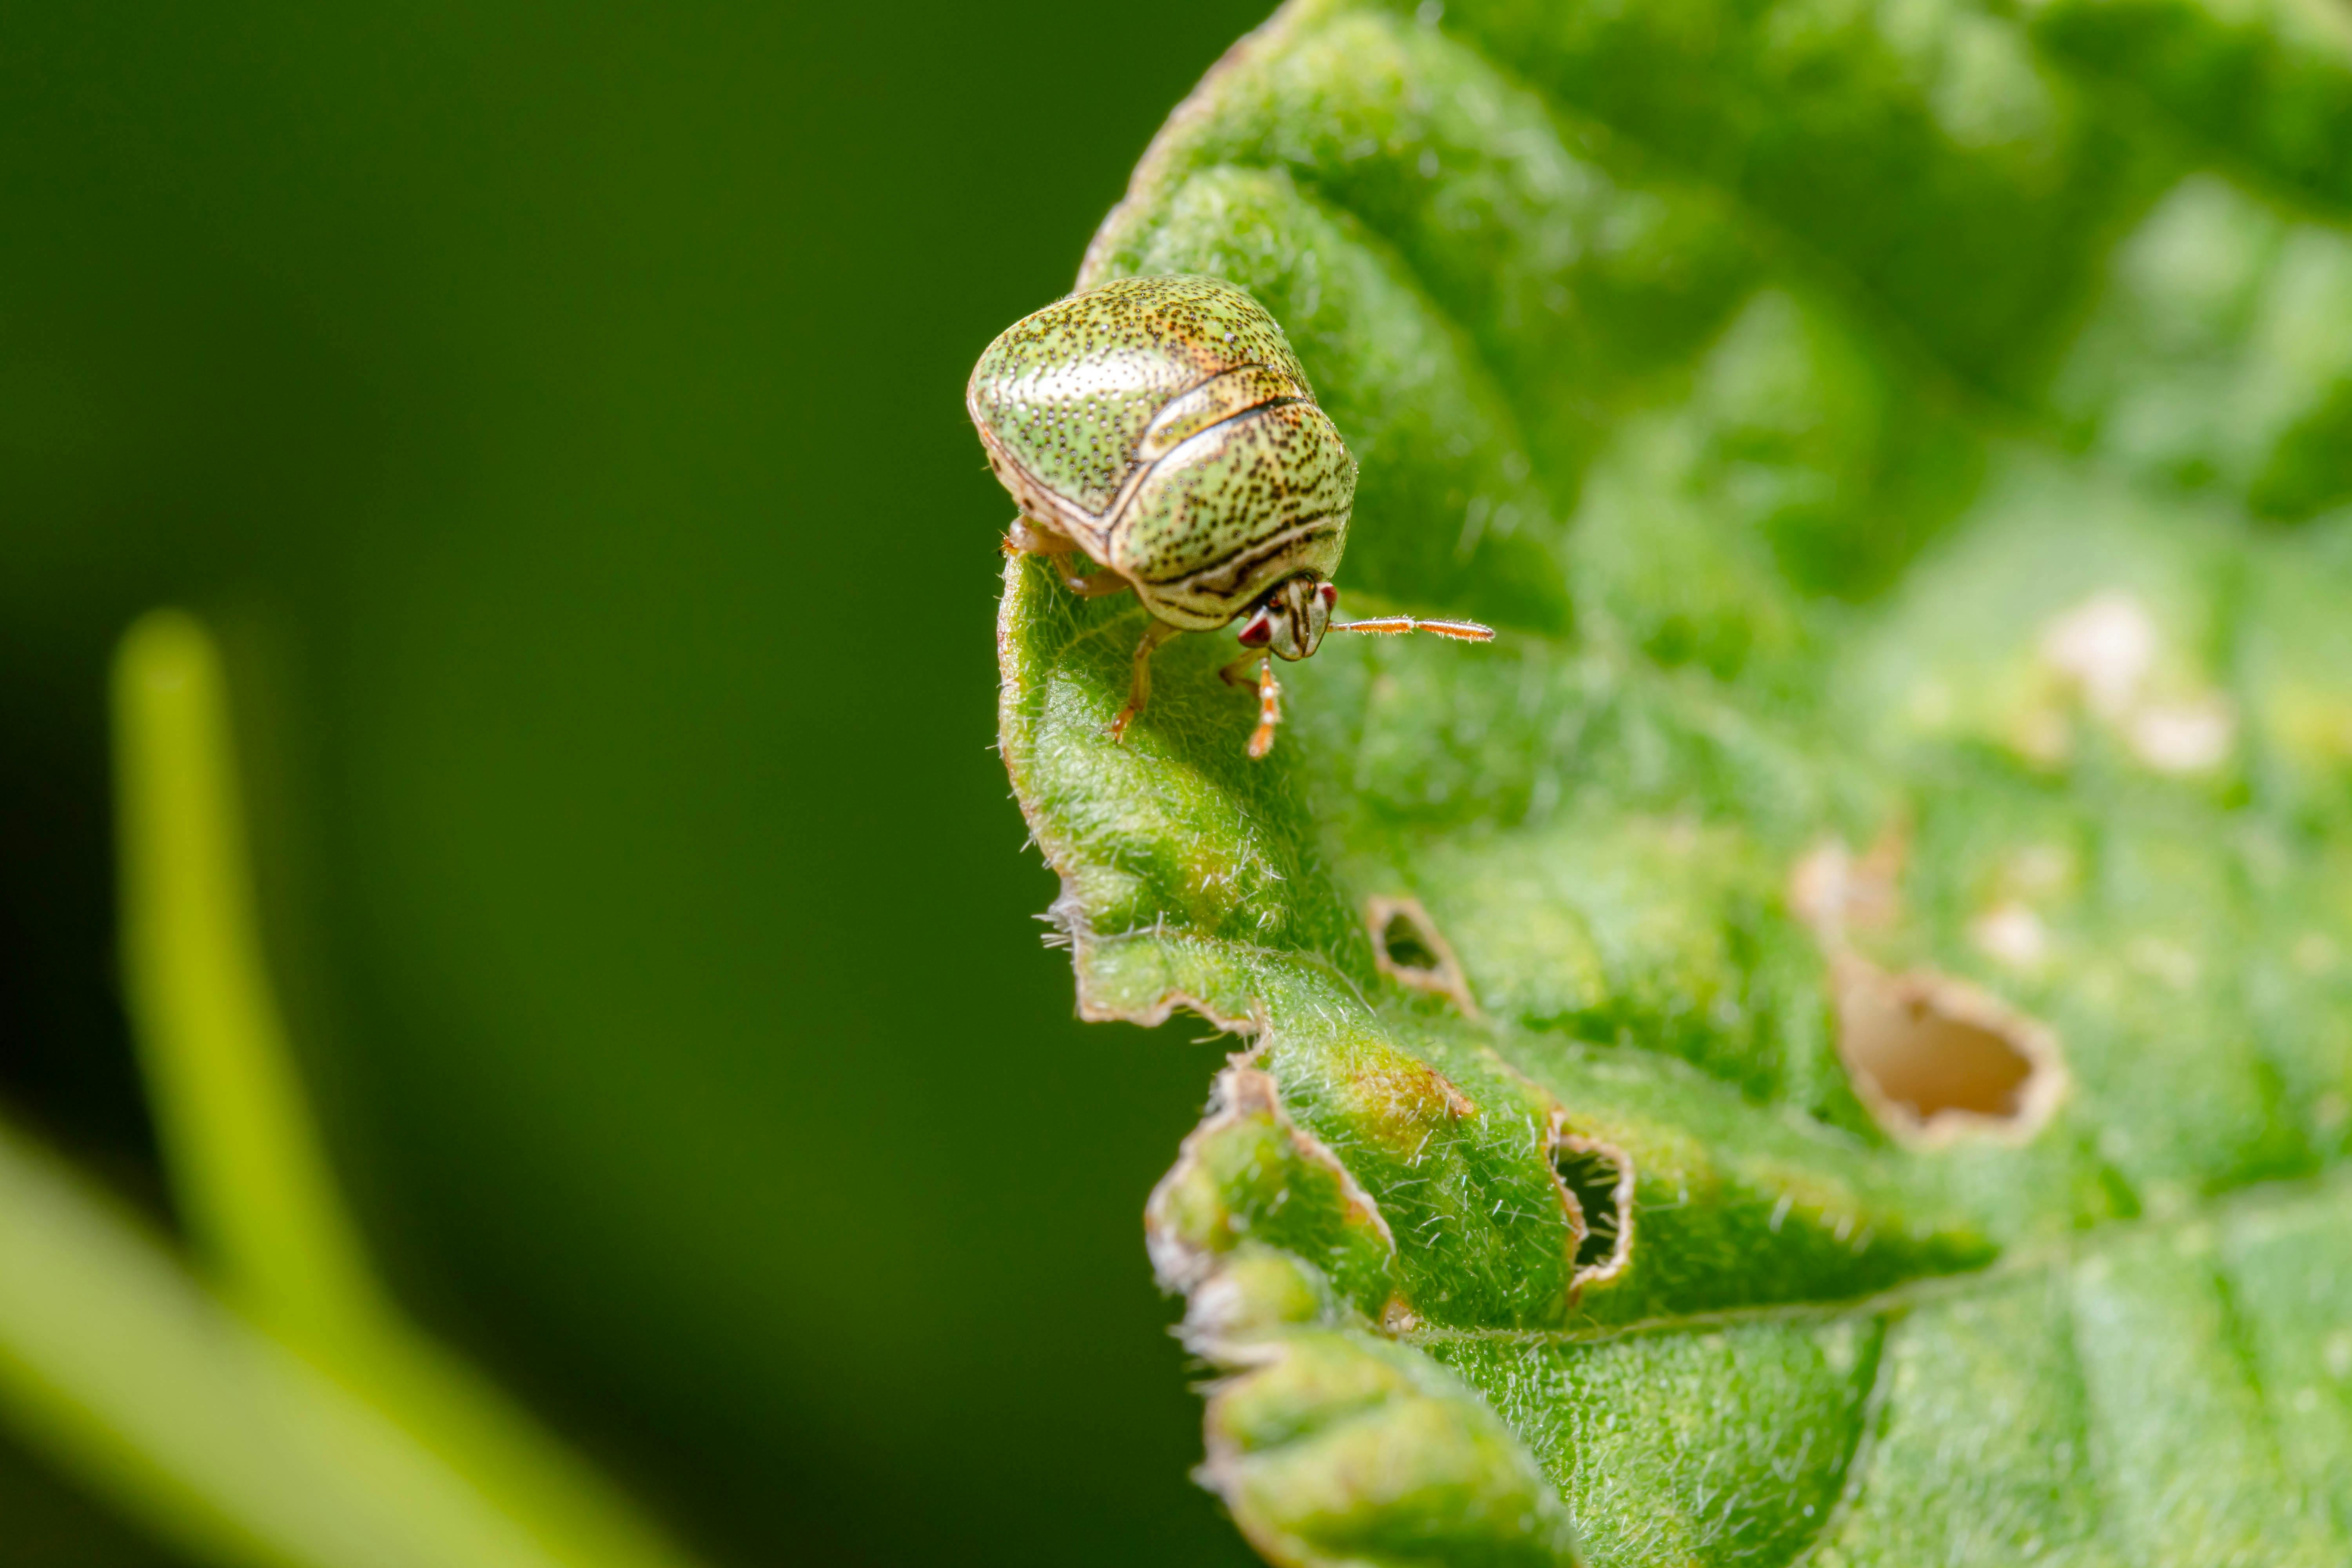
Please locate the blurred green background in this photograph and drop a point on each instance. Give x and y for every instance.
(558, 411)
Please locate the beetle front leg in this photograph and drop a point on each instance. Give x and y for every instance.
(1139, 691)
(1023, 537)
(1269, 696)
(1026, 538)
(1093, 587)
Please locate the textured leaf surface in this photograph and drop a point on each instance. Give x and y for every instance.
(1905, 446)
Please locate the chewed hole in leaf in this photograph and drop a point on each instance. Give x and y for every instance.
(1402, 940)
(1409, 950)
(1596, 1183)
(1593, 1178)
(1935, 1058)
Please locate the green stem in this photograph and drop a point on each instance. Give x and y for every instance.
(251, 1181)
(295, 1419)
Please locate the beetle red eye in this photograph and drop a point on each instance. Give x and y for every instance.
(1258, 632)
(1330, 595)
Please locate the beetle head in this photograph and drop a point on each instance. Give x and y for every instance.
(1290, 621)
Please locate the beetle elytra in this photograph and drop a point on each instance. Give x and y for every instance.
(1163, 429)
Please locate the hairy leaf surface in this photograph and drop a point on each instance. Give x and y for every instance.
(1903, 446)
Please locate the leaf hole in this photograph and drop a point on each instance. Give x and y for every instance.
(1402, 941)
(1596, 1189)
(1409, 950)
(1935, 1058)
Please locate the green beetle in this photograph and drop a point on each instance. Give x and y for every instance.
(1162, 428)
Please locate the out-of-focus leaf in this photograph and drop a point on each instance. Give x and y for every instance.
(282, 1412)
(1903, 445)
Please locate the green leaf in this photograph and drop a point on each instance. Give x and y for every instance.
(1832, 1037)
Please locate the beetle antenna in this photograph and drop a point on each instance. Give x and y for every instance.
(1397, 626)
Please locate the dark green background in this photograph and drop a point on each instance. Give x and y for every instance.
(559, 410)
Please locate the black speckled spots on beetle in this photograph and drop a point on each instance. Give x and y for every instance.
(1224, 496)
(1067, 394)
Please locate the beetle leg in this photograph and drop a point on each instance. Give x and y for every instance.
(1095, 586)
(1023, 537)
(1155, 632)
(1256, 669)
(1269, 710)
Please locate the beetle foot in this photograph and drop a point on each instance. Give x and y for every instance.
(1090, 587)
(1139, 691)
(1269, 710)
